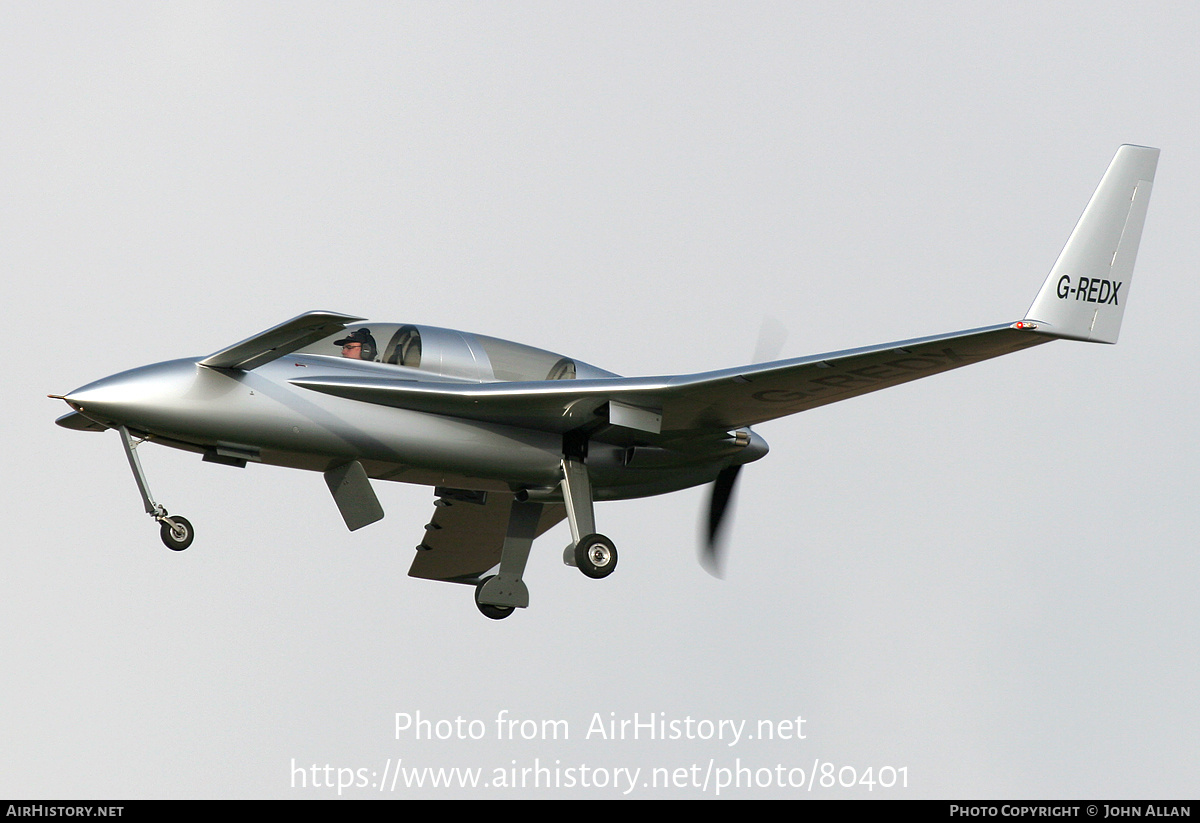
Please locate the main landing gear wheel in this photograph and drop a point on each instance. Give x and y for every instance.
(491, 610)
(177, 537)
(596, 556)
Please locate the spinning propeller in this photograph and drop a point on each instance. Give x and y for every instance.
(771, 337)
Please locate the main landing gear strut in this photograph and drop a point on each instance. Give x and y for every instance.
(176, 532)
(593, 554)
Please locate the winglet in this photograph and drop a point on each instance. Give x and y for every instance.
(1084, 296)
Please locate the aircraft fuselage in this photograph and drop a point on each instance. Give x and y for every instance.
(234, 416)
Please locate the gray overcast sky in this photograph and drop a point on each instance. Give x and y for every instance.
(985, 579)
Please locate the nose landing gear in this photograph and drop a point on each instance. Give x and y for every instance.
(176, 532)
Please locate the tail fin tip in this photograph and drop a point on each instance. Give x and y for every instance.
(1084, 296)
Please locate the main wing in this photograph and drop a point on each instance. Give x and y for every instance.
(726, 399)
(1083, 298)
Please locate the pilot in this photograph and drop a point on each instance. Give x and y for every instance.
(359, 345)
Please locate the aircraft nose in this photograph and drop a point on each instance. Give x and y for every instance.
(111, 398)
(127, 397)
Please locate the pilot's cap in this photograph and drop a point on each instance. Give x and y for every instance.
(357, 336)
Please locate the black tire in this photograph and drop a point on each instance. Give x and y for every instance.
(179, 538)
(490, 610)
(596, 556)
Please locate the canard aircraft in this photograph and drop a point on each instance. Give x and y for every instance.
(513, 439)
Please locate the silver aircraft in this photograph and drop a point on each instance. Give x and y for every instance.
(513, 439)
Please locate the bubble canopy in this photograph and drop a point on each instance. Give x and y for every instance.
(451, 353)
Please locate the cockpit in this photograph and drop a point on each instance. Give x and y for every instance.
(450, 353)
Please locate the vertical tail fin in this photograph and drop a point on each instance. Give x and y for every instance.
(1084, 296)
